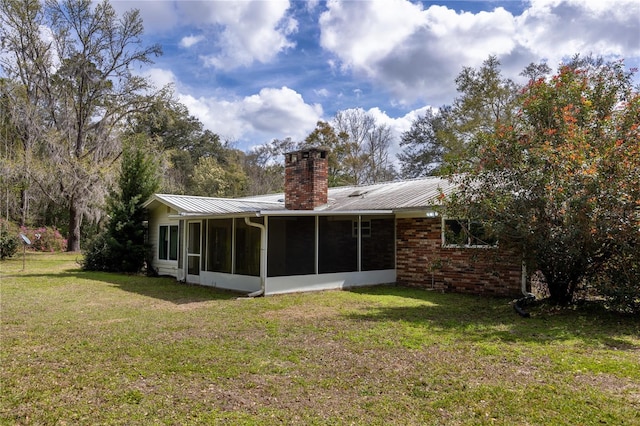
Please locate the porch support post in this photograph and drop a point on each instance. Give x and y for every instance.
(263, 255)
(359, 243)
(317, 245)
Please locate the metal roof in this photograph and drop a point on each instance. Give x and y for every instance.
(418, 193)
(193, 205)
(414, 194)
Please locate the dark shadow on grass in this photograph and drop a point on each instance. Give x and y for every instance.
(163, 288)
(485, 318)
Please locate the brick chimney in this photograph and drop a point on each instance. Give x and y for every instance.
(306, 174)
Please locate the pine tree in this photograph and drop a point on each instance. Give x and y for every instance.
(123, 247)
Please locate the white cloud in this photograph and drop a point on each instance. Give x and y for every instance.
(191, 40)
(251, 31)
(397, 125)
(555, 29)
(259, 118)
(161, 77)
(239, 32)
(361, 33)
(280, 110)
(416, 53)
(158, 16)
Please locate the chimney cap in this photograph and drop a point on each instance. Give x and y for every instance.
(309, 149)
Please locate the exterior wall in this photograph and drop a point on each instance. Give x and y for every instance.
(335, 281)
(423, 262)
(306, 179)
(160, 216)
(240, 283)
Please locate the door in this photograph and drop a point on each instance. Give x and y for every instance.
(194, 248)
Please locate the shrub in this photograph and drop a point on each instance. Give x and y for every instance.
(45, 239)
(97, 255)
(8, 244)
(619, 282)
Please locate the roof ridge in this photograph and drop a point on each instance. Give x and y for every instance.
(201, 197)
(386, 182)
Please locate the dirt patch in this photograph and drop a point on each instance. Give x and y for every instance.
(301, 312)
(620, 387)
(181, 305)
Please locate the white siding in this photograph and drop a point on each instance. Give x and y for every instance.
(160, 216)
(301, 283)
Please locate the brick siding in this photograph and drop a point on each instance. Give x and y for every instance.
(423, 262)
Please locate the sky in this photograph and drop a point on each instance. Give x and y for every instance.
(257, 70)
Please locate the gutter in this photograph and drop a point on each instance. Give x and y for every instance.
(263, 256)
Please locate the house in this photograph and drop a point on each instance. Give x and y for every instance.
(313, 238)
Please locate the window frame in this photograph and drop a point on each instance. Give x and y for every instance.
(471, 238)
(168, 243)
(363, 225)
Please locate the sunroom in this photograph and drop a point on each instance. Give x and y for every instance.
(271, 250)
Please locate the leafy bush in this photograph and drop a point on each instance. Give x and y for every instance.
(98, 256)
(8, 244)
(45, 239)
(619, 282)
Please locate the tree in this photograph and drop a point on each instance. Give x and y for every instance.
(186, 147)
(324, 136)
(123, 247)
(364, 147)
(81, 73)
(379, 167)
(212, 179)
(24, 91)
(423, 147)
(560, 182)
(442, 142)
(487, 100)
(264, 166)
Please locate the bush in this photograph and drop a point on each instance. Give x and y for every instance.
(45, 239)
(619, 282)
(8, 244)
(97, 255)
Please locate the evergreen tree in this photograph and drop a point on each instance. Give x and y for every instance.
(122, 247)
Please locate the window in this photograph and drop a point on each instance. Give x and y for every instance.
(168, 242)
(365, 228)
(467, 233)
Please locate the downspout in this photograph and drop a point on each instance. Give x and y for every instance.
(263, 256)
(528, 297)
(523, 285)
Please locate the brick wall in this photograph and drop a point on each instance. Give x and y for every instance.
(306, 179)
(423, 262)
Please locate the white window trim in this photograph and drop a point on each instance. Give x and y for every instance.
(472, 246)
(168, 259)
(363, 225)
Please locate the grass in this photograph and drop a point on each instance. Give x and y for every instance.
(98, 348)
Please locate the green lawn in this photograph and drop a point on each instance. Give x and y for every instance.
(98, 348)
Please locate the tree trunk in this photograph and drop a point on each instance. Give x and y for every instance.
(75, 219)
(24, 207)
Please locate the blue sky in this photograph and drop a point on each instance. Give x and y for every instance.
(254, 71)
